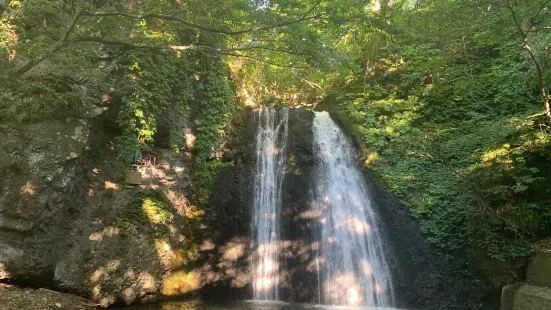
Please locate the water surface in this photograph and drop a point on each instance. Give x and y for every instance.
(244, 305)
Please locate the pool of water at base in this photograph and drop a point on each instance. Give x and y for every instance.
(243, 305)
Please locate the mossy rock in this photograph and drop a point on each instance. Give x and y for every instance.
(150, 208)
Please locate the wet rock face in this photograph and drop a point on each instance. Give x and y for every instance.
(229, 212)
(37, 165)
(421, 279)
(298, 280)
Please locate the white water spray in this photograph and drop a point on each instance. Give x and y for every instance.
(355, 272)
(271, 142)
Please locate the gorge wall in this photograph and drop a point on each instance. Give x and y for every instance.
(422, 280)
(68, 221)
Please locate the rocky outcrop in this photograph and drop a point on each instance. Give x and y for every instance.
(68, 221)
(127, 241)
(38, 165)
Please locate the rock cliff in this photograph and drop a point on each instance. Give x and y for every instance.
(68, 221)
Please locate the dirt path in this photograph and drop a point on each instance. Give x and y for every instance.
(16, 298)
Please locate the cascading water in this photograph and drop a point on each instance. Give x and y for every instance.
(353, 268)
(271, 142)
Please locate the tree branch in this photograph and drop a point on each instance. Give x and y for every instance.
(173, 47)
(127, 44)
(260, 60)
(539, 68)
(58, 46)
(205, 28)
(252, 48)
(72, 25)
(515, 20)
(207, 49)
(64, 40)
(532, 20)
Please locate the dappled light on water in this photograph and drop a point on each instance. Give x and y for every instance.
(245, 305)
(266, 275)
(270, 165)
(355, 272)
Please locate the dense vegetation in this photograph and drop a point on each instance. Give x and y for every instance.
(452, 109)
(448, 99)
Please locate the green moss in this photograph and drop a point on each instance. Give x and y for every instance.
(149, 209)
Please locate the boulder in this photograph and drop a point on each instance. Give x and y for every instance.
(160, 174)
(531, 297)
(163, 164)
(148, 175)
(522, 296)
(539, 269)
(508, 295)
(89, 110)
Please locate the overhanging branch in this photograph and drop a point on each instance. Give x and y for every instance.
(64, 41)
(232, 52)
(304, 17)
(528, 48)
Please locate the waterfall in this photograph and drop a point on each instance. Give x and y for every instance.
(353, 267)
(271, 142)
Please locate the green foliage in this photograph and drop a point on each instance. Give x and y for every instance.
(149, 209)
(387, 120)
(216, 105)
(41, 99)
(448, 121)
(151, 86)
